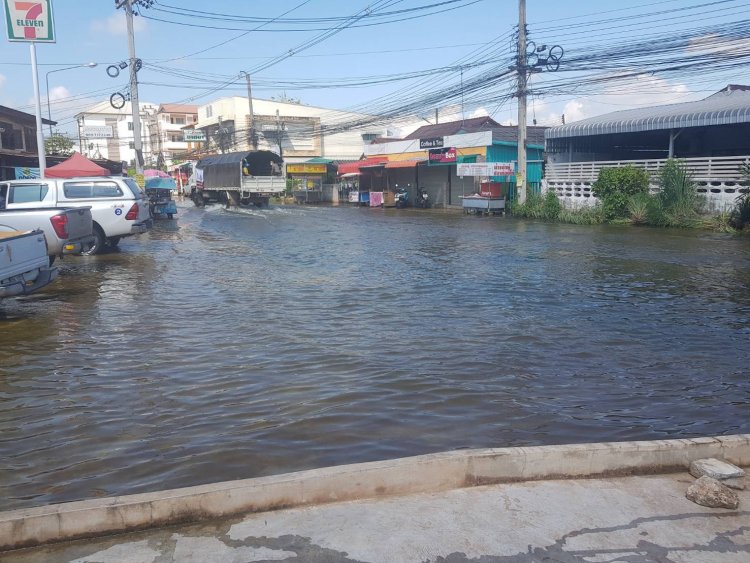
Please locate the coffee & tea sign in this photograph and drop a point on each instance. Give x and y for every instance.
(29, 21)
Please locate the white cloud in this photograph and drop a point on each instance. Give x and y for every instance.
(2, 80)
(58, 93)
(116, 24)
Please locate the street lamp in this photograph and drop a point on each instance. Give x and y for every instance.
(49, 111)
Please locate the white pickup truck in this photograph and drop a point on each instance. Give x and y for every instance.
(118, 206)
(24, 264)
(68, 231)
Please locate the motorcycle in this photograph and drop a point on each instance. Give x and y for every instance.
(422, 199)
(402, 197)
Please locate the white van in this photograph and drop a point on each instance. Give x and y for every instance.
(119, 208)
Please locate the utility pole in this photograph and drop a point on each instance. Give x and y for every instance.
(522, 76)
(135, 106)
(39, 131)
(251, 136)
(279, 129)
(436, 116)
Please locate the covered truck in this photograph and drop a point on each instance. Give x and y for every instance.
(238, 178)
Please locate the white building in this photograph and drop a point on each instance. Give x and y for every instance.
(167, 128)
(106, 132)
(297, 131)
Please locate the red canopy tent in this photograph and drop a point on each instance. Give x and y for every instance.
(76, 165)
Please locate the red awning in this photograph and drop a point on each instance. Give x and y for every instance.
(349, 167)
(404, 163)
(76, 165)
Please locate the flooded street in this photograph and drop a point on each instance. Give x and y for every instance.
(227, 345)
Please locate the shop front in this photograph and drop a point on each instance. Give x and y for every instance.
(308, 178)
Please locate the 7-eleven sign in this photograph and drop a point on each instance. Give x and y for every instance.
(30, 20)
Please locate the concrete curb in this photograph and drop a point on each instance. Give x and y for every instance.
(426, 473)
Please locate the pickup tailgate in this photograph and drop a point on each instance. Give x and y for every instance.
(22, 252)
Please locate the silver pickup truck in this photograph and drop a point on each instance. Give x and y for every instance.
(67, 230)
(24, 264)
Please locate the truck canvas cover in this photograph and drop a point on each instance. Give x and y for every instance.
(225, 170)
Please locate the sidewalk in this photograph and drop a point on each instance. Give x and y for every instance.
(629, 519)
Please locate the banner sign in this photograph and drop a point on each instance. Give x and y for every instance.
(199, 178)
(29, 21)
(23, 173)
(306, 168)
(194, 136)
(97, 132)
(442, 156)
(486, 169)
(432, 143)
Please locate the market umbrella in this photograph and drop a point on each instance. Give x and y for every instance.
(76, 165)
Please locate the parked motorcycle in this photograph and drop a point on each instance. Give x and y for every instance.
(422, 199)
(402, 197)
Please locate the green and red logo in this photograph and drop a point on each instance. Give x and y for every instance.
(29, 20)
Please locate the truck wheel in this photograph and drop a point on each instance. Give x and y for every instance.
(198, 200)
(99, 242)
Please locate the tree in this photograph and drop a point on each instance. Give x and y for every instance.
(58, 145)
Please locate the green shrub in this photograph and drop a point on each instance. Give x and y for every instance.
(739, 217)
(551, 206)
(615, 186)
(638, 208)
(678, 203)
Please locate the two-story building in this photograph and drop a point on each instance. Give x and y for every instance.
(295, 131)
(18, 146)
(106, 132)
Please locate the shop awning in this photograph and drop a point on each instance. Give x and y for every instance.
(404, 163)
(467, 159)
(348, 167)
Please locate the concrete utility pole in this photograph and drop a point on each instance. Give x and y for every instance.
(135, 106)
(39, 131)
(251, 136)
(521, 176)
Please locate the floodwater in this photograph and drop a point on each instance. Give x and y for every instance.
(228, 345)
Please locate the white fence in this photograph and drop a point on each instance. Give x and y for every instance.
(718, 178)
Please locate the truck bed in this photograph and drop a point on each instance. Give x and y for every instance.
(24, 264)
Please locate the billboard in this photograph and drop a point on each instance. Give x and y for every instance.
(442, 156)
(29, 21)
(306, 168)
(486, 169)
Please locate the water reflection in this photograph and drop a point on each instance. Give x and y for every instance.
(233, 344)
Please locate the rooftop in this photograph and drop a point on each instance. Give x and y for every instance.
(730, 105)
(22, 116)
(178, 108)
(471, 125)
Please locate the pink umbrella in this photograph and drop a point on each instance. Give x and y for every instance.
(158, 173)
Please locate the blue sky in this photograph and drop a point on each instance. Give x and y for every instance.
(91, 31)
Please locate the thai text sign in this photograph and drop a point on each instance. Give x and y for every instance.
(97, 132)
(306, 168)
(486, 169)
(29, 21)
(193, 136)
(432, 143)
(442, 156)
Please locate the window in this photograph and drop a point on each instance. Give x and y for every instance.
(90, 190)
(177, 121)
(130, 125)
(175, 138)
(27, 193)
(366, 137)
(29, 134)
(135, 188)
(209, 111)
(131, 145)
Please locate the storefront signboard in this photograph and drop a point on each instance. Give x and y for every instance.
(306, 168)
(442, 156)
(193, 136)
(486, 169)
(97, 132)
(30, 21)
(431, 143)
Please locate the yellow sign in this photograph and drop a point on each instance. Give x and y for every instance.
(140, 179)
(306, 168)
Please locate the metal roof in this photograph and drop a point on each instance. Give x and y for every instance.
(726, 107)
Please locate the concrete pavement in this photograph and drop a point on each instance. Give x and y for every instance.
(628, 519)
